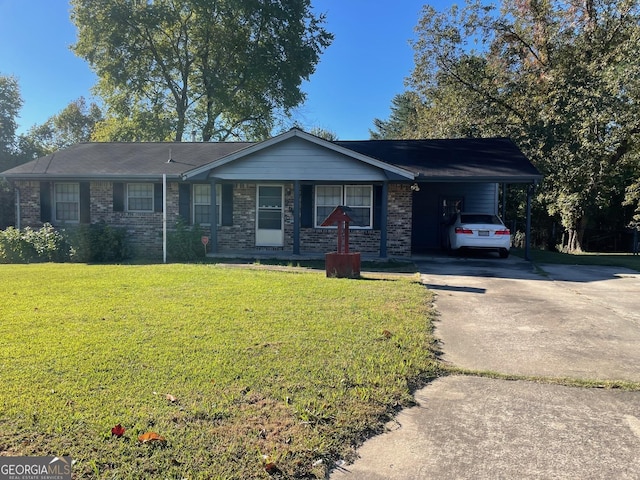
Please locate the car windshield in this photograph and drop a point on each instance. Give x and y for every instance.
(480, 218)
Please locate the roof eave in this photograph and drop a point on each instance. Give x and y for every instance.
(80, 178)
(480, 179)
(306, 136)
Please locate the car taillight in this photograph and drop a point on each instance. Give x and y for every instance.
(464, 230)
(503, 232)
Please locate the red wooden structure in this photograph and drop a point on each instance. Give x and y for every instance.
(340, 217)
(342, 263)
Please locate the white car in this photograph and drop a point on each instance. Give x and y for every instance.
(483, 231)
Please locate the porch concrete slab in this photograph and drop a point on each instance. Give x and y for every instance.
(554, 321)
(480, 428)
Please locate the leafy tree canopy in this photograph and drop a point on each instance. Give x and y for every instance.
(10, 105)
(224, 67)
(562, 78)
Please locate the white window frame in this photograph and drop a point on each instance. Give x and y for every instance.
(151, 196)
(194, 203)
(343, 200)
(75, 200)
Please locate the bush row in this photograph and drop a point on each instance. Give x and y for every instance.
(89, 243)
(85, 243)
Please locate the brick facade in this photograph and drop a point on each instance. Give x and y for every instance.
(241, 236)
(144, 229)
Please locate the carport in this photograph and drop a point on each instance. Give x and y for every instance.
(466, 174)
(450, 174)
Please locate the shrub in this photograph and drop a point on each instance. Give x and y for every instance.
(98, 242)
(14, 247)
(28, 245)
(49, 244)
(184, 242)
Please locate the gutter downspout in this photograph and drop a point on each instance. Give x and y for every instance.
(164, 218)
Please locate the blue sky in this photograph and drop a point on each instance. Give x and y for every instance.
(354, 83)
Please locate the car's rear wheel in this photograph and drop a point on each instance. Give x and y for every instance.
(503, 252)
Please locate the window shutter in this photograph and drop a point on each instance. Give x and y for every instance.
(45, 202)
(157, 197)
(377, 206)
(85, 202)
(184, 201)
(306, 209)
(227, 204)
(118, 197)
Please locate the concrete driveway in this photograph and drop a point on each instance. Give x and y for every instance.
(564, 321)
(505, 316)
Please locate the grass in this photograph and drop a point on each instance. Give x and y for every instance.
(625, 260)
(391, 265)
(289, 368)
(564, 381)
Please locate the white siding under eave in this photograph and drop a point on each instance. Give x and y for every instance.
(297, 159)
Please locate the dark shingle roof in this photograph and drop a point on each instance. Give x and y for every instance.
(482, 159)
(142, 159)
(468, 159)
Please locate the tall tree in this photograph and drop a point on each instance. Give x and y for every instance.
(562, 78)
(403, 121)
(10, 104)
(225, 67)
(73, 124)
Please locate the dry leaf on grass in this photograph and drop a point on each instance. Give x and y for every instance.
(150, 437)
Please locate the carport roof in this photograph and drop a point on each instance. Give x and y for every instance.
(453, 160)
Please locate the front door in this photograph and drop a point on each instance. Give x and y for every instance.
(269, 231)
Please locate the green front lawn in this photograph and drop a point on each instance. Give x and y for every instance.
(236, 368)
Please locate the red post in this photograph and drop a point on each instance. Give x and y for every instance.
(346, 237)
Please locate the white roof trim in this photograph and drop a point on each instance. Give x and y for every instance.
(305, 136)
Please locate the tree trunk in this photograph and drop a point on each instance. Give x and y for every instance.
(580, 230)
(208, 129)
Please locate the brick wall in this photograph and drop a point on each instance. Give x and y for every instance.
(241, 235)
(144, 230)
(399, 220)
(29, 204)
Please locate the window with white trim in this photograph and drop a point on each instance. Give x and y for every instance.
(66, 202)
(140, 197)
(202, 204)
(359, 198)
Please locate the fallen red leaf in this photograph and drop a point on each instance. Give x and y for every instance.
(150, 437)
(118, 430)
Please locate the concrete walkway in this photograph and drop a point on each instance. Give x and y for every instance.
(504, 316)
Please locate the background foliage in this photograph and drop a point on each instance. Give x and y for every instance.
(562, 79)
